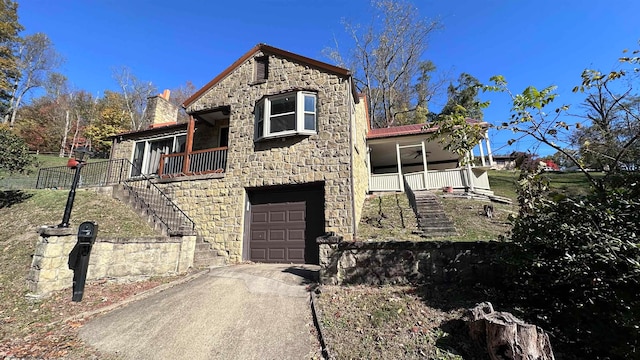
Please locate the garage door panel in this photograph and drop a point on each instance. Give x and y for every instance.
(296, 253)
(259, 235)
(277, 235)
(277, 216)
(277, 255)
(296, 215)
(296, 235)
(258, 253)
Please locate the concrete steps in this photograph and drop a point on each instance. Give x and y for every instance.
(205, 256)
(149, 205)
(432, 220)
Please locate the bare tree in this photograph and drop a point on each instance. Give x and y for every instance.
(37, 58)
(387, 57)
(135, 92)
(179, 95)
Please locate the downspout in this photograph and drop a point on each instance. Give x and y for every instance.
(351, 150)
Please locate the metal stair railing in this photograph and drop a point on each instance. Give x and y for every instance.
(117, 171)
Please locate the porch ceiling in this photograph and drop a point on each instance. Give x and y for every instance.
(383, 151)
(211, 115)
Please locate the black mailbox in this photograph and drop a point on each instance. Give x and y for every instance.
(79, 257)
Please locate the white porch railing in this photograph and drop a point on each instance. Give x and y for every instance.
(456, 178)
(384, 182)
(435, 179)
(481, 180)
(415, 180)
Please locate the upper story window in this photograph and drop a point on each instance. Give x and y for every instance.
(261, 70)
(289, 114)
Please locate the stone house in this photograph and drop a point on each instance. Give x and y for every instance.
(272, 157)
(278, 151)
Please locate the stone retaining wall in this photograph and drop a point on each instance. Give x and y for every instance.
(111, 258)
(403, 262)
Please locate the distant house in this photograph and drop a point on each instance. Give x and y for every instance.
(278, 151)
(504, 162)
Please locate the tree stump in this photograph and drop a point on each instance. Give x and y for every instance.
(506, 337)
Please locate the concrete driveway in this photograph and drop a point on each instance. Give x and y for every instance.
(256, 311)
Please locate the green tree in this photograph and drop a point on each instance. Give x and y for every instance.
(113, 118)
(37, 125)
(576, 259)
(14, 153)
(9, 72)
(463, 97)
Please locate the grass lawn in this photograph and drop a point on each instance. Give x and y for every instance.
(390, 217)
(26, 329)
(503, 182)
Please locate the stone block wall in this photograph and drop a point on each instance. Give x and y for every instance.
(111, 258)
(359, 158)
(217, 205)
(123, 149)
(404, 262)
(160, 111)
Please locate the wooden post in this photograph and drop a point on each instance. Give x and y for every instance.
(189, 145)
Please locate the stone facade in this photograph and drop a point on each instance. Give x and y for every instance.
(335, 156)
(360, 158)
(111, 258)
(404, 262)
(160, 110)
(217, 206)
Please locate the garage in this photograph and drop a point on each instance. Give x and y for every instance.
(283, 223)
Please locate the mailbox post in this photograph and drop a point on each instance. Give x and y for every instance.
(75, 164)
(79, 257)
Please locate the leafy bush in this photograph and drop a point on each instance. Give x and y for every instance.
(576, 265)
(14, 154)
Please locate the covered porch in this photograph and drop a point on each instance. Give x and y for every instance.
(412, 160)
(205, 146)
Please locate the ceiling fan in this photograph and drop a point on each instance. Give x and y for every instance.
(414, 154)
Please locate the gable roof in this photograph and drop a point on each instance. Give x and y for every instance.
(407, 130)
(270, 50)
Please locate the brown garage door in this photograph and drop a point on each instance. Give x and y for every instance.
(278, 232)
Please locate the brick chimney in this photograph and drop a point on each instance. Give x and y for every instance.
(160, 112)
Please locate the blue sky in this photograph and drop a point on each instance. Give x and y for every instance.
(538, 43)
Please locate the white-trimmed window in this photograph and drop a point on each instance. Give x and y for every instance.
(288, 114)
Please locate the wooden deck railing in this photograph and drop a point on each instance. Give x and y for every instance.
(197, 162)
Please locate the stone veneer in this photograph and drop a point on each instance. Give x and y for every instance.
(160, 111)
(359, 156)
(403, 262)
(217, 205)
(111, 258)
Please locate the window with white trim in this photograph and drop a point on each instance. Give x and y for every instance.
(288, 114)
